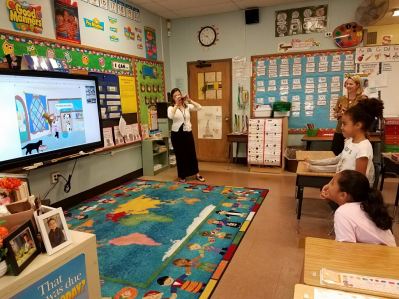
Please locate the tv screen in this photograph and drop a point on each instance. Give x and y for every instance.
(47, 115)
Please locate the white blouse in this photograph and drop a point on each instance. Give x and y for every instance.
(182, 117)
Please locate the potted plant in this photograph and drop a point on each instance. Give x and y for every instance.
(3, 251)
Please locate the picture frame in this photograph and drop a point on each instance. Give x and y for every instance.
(53, 229)
(22, 246)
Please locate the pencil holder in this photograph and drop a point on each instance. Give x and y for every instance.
(312, 132)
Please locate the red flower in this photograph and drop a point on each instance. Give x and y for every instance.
(10, 183)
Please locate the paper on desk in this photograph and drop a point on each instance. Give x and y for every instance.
(356, 281)
(333, 294)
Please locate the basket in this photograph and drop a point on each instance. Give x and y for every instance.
(312, 132)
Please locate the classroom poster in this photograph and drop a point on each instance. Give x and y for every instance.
(210, 122)
(68, 281)
(127, 86)
(25, 16)
(301, 20)
(67, 22)
(150, 43)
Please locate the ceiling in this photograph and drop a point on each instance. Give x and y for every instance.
(174, 9)
(388, 19)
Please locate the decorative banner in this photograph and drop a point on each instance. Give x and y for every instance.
(118, 7)
(25, 16)
(210, 122)
(68, 281)
(150, 43)
(298, 45)
(67, 22)
(95, 24)
(377, 54)
(302, 20)
(75, 58)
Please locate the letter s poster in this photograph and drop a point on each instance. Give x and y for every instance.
(67, 282)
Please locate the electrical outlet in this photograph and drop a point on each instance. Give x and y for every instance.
(328, 34)
(55, 177)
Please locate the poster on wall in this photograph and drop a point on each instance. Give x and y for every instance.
(25, 16)
(210, 122)
(303, 20)
(67, 22)
(150, 43)
(68, 281)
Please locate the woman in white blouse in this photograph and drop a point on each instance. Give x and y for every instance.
(182, 136)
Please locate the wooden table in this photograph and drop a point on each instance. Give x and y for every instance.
(362, 259)
(305, 178)
(236, 138)
(309, 140)
(303, 291)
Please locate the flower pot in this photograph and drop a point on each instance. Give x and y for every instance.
(3, 268)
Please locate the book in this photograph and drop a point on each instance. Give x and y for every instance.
(108, 137)
(118, 136)
(132, 133)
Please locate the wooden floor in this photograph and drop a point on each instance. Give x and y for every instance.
(269, 260)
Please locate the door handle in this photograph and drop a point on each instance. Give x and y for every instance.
(227, 118)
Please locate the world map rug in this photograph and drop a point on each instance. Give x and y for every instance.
(163, 240)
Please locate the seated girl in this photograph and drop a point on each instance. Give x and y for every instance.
(361, 216)
(358, 152)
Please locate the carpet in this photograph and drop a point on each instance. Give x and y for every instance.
(165, 239)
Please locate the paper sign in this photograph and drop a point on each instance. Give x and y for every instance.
(127, 86)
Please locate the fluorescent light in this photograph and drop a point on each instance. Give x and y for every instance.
(395, 13)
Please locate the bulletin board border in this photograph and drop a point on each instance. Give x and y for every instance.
(255, 58)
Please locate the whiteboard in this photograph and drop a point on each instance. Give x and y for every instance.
(390, 93)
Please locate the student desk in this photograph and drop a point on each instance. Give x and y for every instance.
(309, 139)
(303, 291)
(305, 178)
(236, 138)
(362, 259)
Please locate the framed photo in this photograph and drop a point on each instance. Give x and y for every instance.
(54, 230)
(22, 247)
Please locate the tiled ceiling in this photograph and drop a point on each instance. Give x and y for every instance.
(173, 9)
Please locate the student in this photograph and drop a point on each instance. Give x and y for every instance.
(182, 136)
(354, 94)
(56, 235)
(358, 152)
(361, 216)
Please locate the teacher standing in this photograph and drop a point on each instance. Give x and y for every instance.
(354, 94)
(182, 136)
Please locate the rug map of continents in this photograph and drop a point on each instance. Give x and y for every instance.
(158, 240)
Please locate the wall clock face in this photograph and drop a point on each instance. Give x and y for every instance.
(207, 36)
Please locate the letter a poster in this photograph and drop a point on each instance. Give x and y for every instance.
(68, 281)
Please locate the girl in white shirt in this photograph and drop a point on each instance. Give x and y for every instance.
(361, 216)
(182, 137)
(358, 152)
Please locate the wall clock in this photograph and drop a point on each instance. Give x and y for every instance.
(207, 36)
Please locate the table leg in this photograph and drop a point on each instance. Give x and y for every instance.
(396, 202)
(230, 151)
(237, 148)
(308, 143)
(299, 194)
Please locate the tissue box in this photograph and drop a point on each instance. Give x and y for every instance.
(21, 211)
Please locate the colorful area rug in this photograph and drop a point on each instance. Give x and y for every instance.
(165, 239)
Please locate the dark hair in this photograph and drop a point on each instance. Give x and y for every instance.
(173, 91)
(357, 186)
(366, 111)
(48, 220)
(161, 280)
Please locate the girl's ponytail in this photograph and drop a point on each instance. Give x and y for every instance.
(376, 210)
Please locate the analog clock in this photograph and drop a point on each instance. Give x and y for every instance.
(207, 36)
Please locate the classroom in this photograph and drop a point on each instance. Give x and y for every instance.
(199, 149)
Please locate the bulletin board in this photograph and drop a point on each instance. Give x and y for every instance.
(150, 85)
(311, 81)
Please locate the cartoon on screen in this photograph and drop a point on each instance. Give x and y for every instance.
(49, 124)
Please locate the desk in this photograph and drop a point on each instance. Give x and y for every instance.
(236, 138)
(356, 258)
(305, 178)
(303, 291)
(309, 140)
(391, 166)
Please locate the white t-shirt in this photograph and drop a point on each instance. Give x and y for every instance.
(353, 151)
(352, 224)
(182, 117)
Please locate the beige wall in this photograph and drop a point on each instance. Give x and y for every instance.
(383, 30)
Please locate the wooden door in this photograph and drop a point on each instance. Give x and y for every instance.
(209, 84)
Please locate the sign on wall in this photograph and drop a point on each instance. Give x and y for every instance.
(150, 43)
(66, 22)
(25, 16)
(68, 281)
(303, 20)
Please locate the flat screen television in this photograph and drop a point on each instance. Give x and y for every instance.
(47, 115)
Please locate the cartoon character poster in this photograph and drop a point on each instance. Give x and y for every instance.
(25, 16)
(67, 21)
(150, 43)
